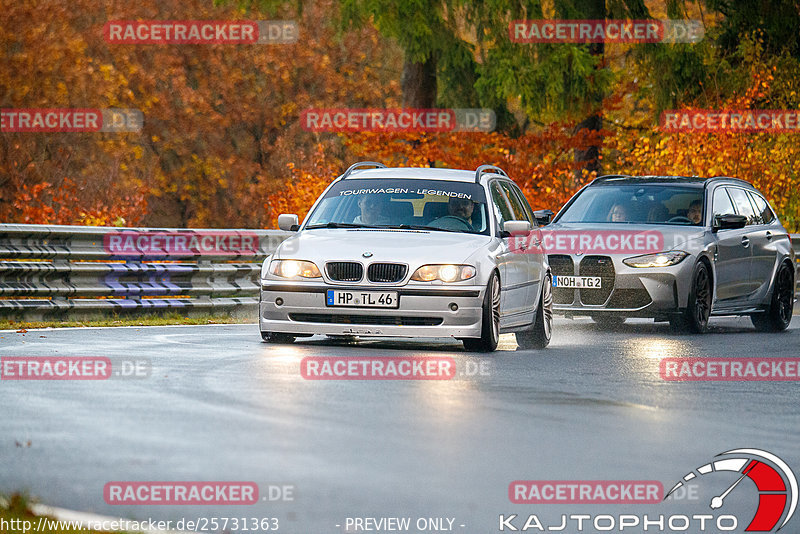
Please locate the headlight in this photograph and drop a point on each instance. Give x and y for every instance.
(660, 259)
(265, 268)
(294, 269)
(445, 273)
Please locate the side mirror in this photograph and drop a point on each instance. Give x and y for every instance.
(728, 222)
(517, 227)
(288, 222)
(543, 217)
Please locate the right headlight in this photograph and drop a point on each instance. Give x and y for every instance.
(445, 273)
(265, 268)
(660, 259)
(294, 269)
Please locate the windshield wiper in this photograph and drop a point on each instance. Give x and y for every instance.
(422, 227)
(340, 225)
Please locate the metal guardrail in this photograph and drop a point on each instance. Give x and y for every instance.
(76, 271)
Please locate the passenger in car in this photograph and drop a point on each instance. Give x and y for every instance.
(618, 213)
(373, 210)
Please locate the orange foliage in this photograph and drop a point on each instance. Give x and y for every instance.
(220, 121)
(45, 204)
(543, 165)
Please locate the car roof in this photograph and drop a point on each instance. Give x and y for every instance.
(666, 180)
(417, 173)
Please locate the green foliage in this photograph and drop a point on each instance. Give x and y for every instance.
(777, 20)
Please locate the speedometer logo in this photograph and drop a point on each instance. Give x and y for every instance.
(774, 480)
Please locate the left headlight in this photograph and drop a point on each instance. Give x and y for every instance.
(445, 273)
(294, 269)
(660, 259)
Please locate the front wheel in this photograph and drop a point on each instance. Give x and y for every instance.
(490, 323)
(277, 337)
(779, 314)
(698, 309)
(539, 336)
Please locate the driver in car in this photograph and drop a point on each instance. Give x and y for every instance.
(695, 212)
(459, 215)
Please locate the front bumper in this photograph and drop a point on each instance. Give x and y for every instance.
(626, 291)
(424, 311)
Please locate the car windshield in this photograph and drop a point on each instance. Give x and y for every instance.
(637, 204)
(438, 205)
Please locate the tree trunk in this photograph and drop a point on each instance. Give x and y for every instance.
(593, 10)
(419, 84)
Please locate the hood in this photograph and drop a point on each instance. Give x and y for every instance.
(403, 246)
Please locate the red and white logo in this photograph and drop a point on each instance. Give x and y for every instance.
(775, 483)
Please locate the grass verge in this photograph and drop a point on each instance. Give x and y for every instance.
(16, 517)
(138, 320)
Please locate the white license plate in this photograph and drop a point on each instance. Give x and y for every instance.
(577, 282)
(362, 299)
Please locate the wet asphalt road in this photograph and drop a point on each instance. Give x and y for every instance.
(222, 406)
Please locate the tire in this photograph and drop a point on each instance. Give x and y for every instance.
(779, 314)
(277, 337)
(539, 336)
(698, 309)
(608, 321)
(490, 321)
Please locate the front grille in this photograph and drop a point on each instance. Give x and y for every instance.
(386, 272)
(603, 267)
(629, 298)
(562, 265)
(365, 319)
(344, 271)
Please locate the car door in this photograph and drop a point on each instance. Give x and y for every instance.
(763, 240)
(511, 260)
(732, 254)
(741, 201)
(533, 250)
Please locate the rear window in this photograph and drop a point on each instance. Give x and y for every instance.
(763, 211)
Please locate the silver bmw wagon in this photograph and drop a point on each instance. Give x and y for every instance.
(411, 252)
(677, 249)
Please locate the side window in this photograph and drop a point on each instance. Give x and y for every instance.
(763, 210)
(517, 207)
(722, 203)
(742, 204)
(501, 210)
